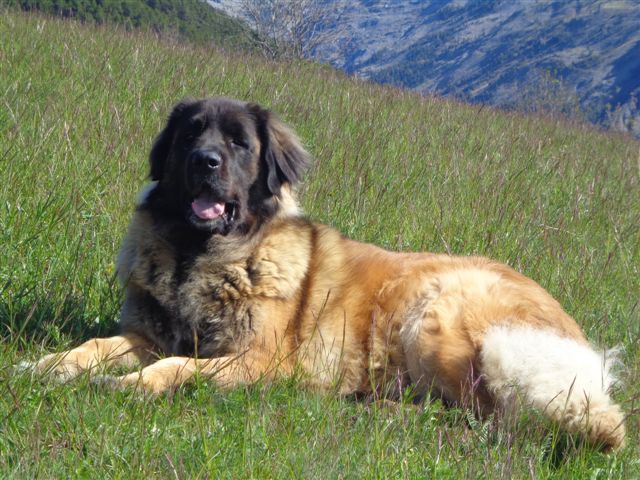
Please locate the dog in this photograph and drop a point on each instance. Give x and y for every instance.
(225, 278)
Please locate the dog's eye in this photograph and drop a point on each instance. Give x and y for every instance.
(239, 142)
(196, 127)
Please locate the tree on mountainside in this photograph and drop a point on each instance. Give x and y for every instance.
(544, 91)
(292, 28)
(625, 117)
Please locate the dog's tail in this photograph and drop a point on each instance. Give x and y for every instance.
(567, 380)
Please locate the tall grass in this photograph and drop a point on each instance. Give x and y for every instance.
(79, 109)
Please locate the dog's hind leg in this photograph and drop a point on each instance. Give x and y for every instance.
(123, 350)
(565, 379)
(443, 361)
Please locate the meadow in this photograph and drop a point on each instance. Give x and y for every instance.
(79, 108)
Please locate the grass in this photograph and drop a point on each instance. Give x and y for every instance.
(79, 109)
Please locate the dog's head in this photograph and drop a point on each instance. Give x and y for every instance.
(221, 164)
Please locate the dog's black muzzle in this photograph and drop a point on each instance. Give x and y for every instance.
(205, 162)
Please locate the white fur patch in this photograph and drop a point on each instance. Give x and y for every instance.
(554, 373)
(289, 206)
(145, 192)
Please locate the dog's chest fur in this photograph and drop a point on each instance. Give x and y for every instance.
(203, 307)
(199, 303)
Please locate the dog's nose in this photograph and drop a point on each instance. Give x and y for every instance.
(207, 159)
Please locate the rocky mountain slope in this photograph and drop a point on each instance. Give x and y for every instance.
(563, 55)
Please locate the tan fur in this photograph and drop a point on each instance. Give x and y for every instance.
(298, 296)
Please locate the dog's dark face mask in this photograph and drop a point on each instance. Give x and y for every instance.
(221, 163)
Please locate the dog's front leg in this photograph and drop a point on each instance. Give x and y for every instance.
(172, 372)
(123, 350)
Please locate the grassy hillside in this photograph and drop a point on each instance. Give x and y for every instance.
(190, 19)
(80, 107)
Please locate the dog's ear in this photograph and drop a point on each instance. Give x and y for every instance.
(164, 140)
(285, 157)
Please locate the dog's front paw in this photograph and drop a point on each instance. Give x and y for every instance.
(139, 381)
(108, 381)
(55, 366)
(23, 367)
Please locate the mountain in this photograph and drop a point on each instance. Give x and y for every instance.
(563, 56)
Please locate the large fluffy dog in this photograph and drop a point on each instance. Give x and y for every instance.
(225, 278)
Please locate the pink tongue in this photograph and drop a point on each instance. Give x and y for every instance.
(207, 209)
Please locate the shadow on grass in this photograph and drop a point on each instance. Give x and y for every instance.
(33, 319)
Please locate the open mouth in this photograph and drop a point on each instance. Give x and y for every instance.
(207, 208)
